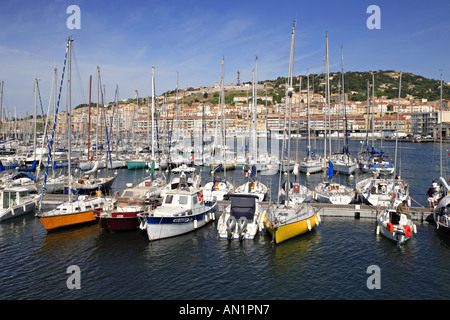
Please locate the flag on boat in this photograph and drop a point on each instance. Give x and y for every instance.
(330, 170)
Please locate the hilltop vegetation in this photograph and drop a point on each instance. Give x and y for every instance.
(386, 85)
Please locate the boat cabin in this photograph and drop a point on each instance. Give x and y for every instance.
(182, 199)
(243, 206)
(13, 196)
(133, 197)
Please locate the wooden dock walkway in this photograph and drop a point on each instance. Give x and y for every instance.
(356, 211)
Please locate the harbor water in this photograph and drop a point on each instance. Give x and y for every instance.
(334, 261)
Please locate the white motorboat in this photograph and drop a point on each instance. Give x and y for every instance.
(182, 211)
(15, 202)
(394, 226)
(182, 176)
(242, 219)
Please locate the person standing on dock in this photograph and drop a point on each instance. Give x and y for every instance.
(430, 196)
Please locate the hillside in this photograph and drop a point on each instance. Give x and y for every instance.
(386, 85)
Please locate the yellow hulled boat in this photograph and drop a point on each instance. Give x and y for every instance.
(285, 222)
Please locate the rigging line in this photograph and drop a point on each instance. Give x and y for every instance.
(50, 144)
(74, 58)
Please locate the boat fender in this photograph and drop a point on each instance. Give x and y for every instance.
(316, 220)
(378, 230)
(195, 224)
(309, 224)
(407, 231)
(261, 220)
(390, 227)
(414, 228)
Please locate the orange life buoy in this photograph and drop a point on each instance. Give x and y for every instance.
(200, 197)
(81, 181)
(216, 186)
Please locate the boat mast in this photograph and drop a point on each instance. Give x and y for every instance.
(328, 95)
(222, 104)
(35, 113)
(153, 113)
(290, 93)
(345, 151)
(89, 119)
(440, 134)
(396, 128)
(69, 115)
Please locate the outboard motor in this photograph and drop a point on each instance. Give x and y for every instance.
(242, 227)
(231, 225)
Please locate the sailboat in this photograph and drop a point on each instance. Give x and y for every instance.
(216, 187)
(395, 225)
(287, 220)
(312, 163)
(441, 213)
(253, 186)
(72, 212)
(370, 160)
(330, 191)
(385, 191)
(343, 162)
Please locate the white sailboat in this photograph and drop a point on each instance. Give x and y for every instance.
(386, 192)
(329, 191)
(253, 186)
(343, 162)
(312, 162)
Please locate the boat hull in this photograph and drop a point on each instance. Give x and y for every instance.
(17, 210)
(167, 227)
(343, 168)
(133, 165)
(119, 222)
(287, 231)
(85, 189)
(67, 220)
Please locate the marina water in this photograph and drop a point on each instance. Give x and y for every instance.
(331, 262)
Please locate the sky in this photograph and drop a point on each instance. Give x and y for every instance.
(125, 39)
